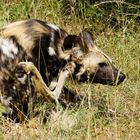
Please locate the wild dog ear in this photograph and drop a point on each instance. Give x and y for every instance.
(70, 42)
(72, 45)
(87, 41)
(89, 44)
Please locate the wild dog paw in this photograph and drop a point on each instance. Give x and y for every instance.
(70, 67)
(53, 84)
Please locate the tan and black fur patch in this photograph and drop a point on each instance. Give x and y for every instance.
(29, 40)
(54, 55)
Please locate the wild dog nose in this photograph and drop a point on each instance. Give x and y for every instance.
(121, 78)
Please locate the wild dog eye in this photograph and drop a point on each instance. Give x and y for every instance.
(103, 64)
(19, 73)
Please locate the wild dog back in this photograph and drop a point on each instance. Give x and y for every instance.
(31, 40)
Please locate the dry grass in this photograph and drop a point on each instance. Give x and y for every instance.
(113, 112)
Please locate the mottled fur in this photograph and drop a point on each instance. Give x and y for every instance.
(29, 40)
(54, 55)
(33, 40)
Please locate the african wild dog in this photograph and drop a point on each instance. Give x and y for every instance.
(49, 48)
(29, 40)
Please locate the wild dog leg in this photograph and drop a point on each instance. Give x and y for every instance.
(53, 84)
(68, 69)
(59, 84)
(40, 86)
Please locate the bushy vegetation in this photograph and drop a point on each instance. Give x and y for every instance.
(113, 112)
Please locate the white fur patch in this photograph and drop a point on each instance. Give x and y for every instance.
(53, 84)
(51, 51)
(61, 81)
(5, 101)
(8, 47)
(53, 26)
(23, 79)
(56, 28)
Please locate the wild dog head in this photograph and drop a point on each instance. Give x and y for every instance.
(91, 63)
